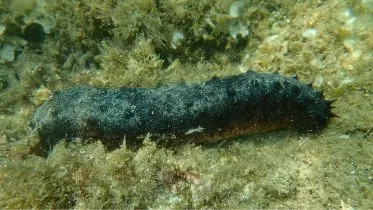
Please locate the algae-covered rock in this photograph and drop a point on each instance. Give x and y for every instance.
(51, 45)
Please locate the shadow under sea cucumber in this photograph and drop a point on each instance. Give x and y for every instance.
(207, 111)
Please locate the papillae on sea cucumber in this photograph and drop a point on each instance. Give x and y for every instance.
(216, 109)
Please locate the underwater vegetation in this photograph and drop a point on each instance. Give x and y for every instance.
(51, 46)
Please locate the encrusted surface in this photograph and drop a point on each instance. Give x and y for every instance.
(47, 46)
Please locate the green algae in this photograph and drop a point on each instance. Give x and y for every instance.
(122, 43)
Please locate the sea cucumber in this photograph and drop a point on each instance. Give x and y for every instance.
(207, 111)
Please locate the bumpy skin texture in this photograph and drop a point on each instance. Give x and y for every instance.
(218, 108)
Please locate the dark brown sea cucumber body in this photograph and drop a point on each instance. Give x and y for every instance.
(218, 108)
